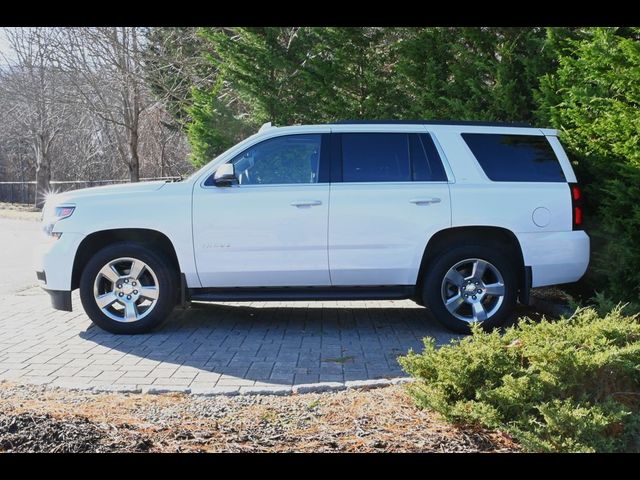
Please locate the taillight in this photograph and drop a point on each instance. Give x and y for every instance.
(576, 205)
(576, 194)
(577, 217)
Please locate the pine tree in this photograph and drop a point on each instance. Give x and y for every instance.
(480, 73)
(593, 99)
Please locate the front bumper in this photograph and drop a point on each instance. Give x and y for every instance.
(60, 299)
(53, 264)
(54, 258)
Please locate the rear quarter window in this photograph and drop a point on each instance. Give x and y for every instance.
(515, 158)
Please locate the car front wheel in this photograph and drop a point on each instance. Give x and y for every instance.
(126, 288)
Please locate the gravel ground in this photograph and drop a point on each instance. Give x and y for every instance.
(39, 419)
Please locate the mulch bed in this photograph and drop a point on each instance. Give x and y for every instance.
(38, 419)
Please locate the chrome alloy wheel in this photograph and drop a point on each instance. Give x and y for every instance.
(473, 290)
(126, 289)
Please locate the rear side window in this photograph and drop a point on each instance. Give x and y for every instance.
(515, 158)
(389, 157)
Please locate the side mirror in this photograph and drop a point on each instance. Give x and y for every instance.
(225, 175)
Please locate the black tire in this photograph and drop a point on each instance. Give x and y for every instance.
(440, 265)
(167, 287)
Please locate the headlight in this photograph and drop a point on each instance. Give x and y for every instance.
(52, 216)
(63, 212)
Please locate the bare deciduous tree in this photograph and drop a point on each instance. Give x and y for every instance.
(164, 149)
(105, 66)
(33, 84)
(77, 106)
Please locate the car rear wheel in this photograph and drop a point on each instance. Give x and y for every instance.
(471, 284)
(127, 288)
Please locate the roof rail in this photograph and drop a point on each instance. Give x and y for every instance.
(432, 122)
(265, 126)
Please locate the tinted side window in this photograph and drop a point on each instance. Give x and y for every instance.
(375, 157)
(515, 158)
(426, 165)
(280, 160)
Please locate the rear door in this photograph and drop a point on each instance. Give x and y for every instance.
(389, 195)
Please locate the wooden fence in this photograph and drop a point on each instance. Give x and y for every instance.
(25, 192)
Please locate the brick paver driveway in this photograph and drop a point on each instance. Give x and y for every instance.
(226, 347)
(215, 348)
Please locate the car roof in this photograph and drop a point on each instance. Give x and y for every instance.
(433, 122)
(408, 126)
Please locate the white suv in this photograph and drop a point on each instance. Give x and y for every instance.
(462, 217)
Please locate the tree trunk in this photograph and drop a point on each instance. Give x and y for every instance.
(162, 160)
(43, 182)
(134, 159)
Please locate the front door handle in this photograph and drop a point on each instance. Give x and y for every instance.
(305, 203)
(425, 201)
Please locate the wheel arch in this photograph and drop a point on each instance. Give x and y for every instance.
(95, 241)
(482, 235)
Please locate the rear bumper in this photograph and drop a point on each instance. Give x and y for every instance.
(60, 299)
(555, 257)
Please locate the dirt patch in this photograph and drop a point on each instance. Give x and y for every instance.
(39, 419)
(33, 432)
(41, 433)
(551, 302)
(19, 211)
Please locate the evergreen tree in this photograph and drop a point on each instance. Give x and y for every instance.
(593, 99)
(263, 67)
(474, 73)
(350, 74)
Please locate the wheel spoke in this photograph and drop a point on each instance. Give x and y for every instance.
(479, 267)
(453, 304)
(455, 277)
(106, 299)
(137, 268)
(479, 313)
(149, 292)
(130, 312)
(110, 273)
(496, 289)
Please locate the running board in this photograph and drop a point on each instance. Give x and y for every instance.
(239, 294)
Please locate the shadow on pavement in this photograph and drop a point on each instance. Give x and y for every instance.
(284, 343)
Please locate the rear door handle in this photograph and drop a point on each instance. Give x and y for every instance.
(425, 201)
(305, 203)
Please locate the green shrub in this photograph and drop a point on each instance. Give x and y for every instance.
(603, 304)
(567, 386)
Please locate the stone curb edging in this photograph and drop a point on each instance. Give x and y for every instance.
(233, 391)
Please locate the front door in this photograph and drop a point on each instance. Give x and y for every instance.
(269, 229)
